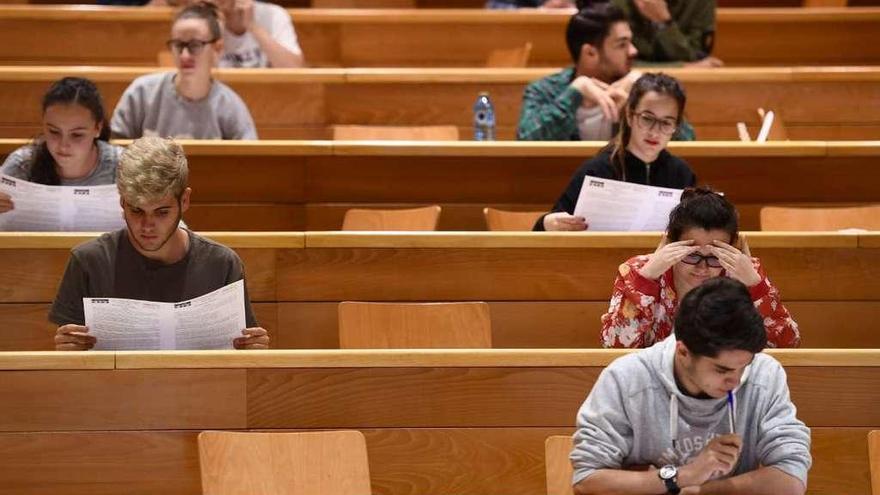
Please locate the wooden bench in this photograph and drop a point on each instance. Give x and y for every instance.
(558, 283)
(816, 103)
(308, 185)
(466, 422)
(429, 38)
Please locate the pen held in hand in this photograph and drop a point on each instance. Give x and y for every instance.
(731, 412)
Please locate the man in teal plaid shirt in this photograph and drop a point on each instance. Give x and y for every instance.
(584, 102)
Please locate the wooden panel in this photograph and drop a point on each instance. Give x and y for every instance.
(424, 38)
(252, 217)
(423, 274)
(415, 397)
(536, 325)
(473, 397)
(445, 275)
(121, 399)
(260, 273)
(490, 461)
(28, 327)
(31, 275)
(298, 104)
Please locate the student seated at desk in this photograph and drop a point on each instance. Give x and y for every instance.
(699, 245)
(673, 30)
(705, 410)
(72, 149)
(258, 34)
(584, 102)
(637, 154)
(153, 259)
(187, 103)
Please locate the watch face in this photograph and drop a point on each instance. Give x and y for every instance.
(668, 472)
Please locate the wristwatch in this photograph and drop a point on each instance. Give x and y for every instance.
(669, 475)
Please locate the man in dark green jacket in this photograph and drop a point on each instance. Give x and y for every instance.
(672, 30)
(584, 102)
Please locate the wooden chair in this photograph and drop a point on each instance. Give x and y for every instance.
(510, 220)
(395, 133)
(408, 219)
(805, 218)
(558, 467)
(874, 460)
(517, 57)
(365, 325)
(310, 463)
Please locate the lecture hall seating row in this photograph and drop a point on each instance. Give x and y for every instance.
(816, 103)
(93, 35)
(557, 283)
(308, 185)
(463, 422)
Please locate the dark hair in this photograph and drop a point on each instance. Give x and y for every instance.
(719, 315)
(590, 26)
(206, 11)
(67, 91)
(657, 82)
(702, 208)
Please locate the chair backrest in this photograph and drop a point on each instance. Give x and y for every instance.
(309, 463)
(409, 219)
(517, 57)
(510, 220)
(806, 218)
(874, 460)
(464, 325)
(559, 470)
(395, 133)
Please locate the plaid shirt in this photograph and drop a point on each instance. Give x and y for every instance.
(549, 111)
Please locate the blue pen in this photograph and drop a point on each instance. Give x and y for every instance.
(731, 411)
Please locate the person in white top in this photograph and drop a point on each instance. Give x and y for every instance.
(258, 34)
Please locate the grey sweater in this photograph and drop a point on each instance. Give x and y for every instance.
(635, 410)
(151, 106)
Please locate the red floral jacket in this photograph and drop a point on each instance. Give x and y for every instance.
(642, 311)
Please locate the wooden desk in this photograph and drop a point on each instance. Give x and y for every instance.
(544, 290)
(308, 185)
(816, 103)
(467, 422)
(93, 35)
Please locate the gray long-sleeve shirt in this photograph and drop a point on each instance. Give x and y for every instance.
(151, 106)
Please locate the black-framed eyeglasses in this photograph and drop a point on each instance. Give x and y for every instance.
(194, 47)
(696, 258)
(648, 121)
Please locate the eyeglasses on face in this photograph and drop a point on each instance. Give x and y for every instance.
(647, 121)
(194, 47)
(696, 258)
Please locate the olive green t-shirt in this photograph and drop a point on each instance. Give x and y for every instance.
(110, 266)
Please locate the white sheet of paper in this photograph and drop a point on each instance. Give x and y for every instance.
(611, 205)
(206, 322)
(60, 208)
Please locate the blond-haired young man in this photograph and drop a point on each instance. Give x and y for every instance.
(154, 258)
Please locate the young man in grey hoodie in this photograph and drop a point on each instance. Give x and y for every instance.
(705, 410)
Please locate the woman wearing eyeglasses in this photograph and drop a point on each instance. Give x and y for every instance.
(654, 110)
(186, 103)
(699, 244)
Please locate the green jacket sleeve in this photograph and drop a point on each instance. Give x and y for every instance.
(545, 117)
(688, 36)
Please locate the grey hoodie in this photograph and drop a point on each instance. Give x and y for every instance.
(635, 410)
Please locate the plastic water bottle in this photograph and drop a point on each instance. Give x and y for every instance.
(484, 118)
